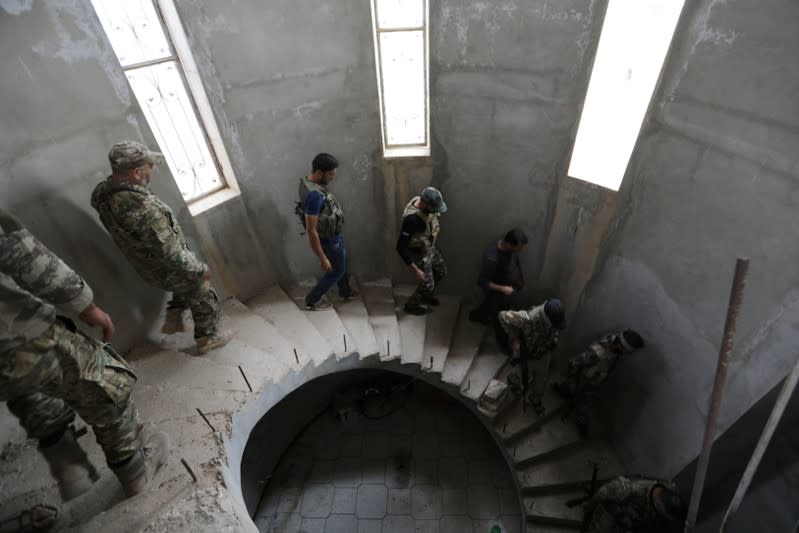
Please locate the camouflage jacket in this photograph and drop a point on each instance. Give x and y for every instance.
(593, 366)
(629, 500)
(423, 242)
(534, 327)
(32, 281)
(146, 231)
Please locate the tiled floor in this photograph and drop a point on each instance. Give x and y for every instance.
(427, 466)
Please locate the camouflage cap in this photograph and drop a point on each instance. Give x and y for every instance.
(131, 154)
(432, 197)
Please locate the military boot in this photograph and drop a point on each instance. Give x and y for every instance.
(137, 472)
(69, 465)
(217, 340)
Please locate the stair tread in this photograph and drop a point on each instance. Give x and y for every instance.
(412, 328)
(277, 308)
(355, 317)
(513, 423)
(552, 435)
(157, 403)
(486, 365)
(465, 345)
(573, 466)
(328, 323)
(181, 370)
(379, 300)
(439, 331)
(554, 505)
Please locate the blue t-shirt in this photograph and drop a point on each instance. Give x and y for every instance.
(314, 203)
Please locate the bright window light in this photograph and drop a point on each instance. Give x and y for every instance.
(632, 48)
(149, 42)
(401, 50)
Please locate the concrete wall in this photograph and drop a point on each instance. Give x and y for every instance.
(714, 176)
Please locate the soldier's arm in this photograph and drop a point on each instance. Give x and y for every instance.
(38, 270)
(512, 321)
(154, 230)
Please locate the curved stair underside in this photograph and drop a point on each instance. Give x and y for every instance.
(209, 405)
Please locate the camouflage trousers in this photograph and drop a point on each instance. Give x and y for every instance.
(432, 264)
(204, 306)
(58, 371)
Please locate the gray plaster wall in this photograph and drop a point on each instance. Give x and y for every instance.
(294, 79)
(714, 176)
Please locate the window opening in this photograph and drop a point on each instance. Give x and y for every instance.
(635, 38)
(149, 41)
(401, 51)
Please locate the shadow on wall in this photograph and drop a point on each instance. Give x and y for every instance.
(78, 239)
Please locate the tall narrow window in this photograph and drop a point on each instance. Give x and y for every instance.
(635, 38)
(401, 51)
(152, 48)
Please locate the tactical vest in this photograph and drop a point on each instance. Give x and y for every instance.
(331, 219)
(422, 241)
(605, 362)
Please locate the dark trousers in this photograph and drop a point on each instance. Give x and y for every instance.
(337, 255)
(488, 313)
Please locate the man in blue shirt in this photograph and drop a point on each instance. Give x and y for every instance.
(324, 220)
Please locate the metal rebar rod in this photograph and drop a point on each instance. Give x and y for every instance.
(733, 309)
(768, 431)
(206, 419)
(247, 381)
(191, 472)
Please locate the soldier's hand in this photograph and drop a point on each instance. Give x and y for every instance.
(507, 290)
(419, 273)
(94, 316)
(325, 264)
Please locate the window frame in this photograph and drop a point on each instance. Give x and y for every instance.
(396, 151)
(181, 55)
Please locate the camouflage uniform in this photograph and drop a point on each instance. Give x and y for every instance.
(46, 370)
(146, 231)
(538, 338)
(625, 504)
(588, 370)
(427, 257)
(534, 329)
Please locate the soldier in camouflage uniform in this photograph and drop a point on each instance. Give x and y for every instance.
(533, 335)
(588, 370)
(417, 248)
(146, 231)
(48, 368)
(633, 505)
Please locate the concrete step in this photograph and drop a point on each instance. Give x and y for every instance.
(516, 422)
(551, 438)
(571, 467)
(277, 308)
(554, 505)
(253, 330)
(465, 344)
(157, 403)
(258, 366)
(327, 323)
(379, 300)
(355, 317)
(411, 327)
(180, 370)
(486, 365)
(440, 328)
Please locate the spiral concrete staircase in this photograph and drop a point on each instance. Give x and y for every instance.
(209, 406)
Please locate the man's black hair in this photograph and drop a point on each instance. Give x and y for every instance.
(324, 162)
(515, 237)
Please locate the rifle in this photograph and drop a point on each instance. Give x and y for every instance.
(579, 501)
